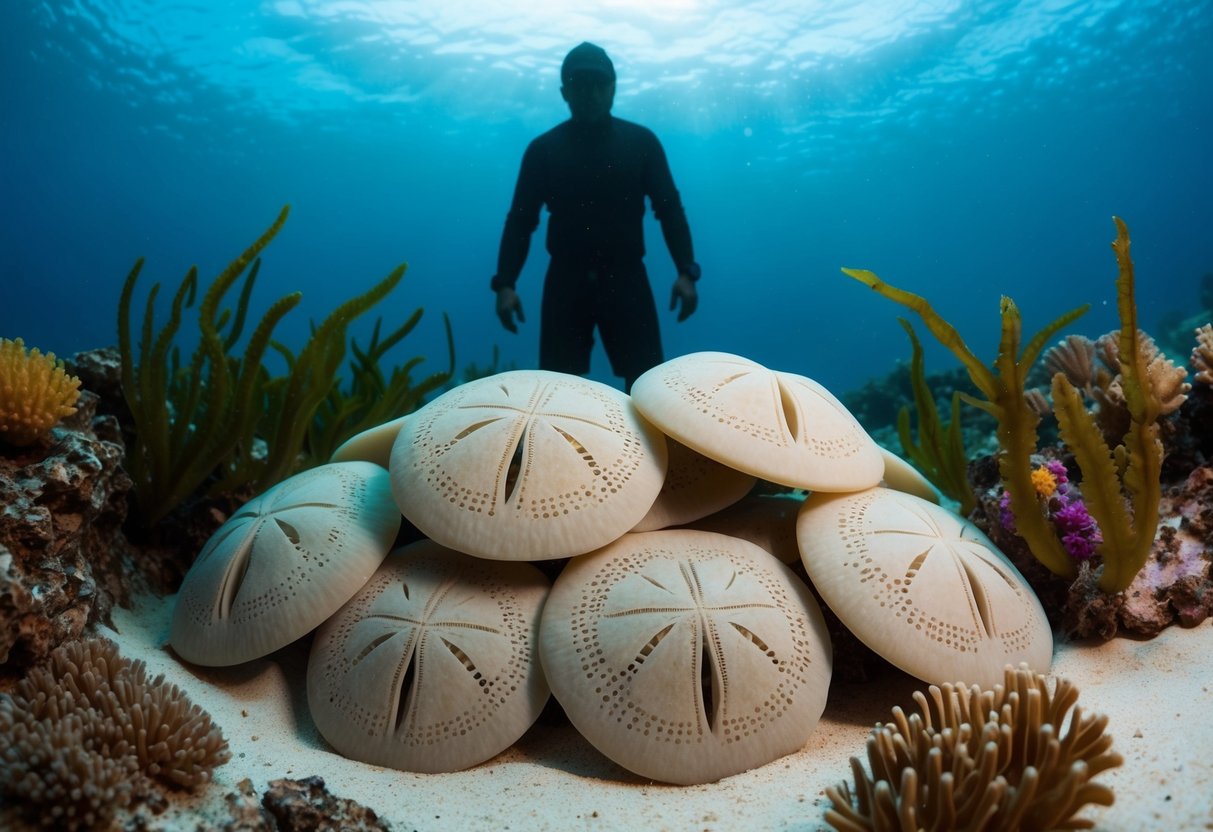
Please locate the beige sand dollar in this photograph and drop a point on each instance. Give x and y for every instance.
(695, 486)
(686, 656)
(284, 562)
(922, 586)
(431, 666)
(779, 426)
(527, 465)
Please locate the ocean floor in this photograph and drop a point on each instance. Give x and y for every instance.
(1158, 694)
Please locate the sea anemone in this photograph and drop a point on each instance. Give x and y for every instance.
(35, 392)
(974, 759)
(83, 735)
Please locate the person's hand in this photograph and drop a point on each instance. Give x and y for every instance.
(509, 305)
(684, 290)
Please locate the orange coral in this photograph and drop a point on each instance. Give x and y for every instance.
(1044, 482)
(35, 392)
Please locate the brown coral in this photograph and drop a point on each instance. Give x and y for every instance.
(1074, 356)
(35, 392)
(980, 759)
(86, 730)
(1202, 356)
(1167, 381)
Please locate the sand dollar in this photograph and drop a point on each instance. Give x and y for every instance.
(779, 426)
(284, 562)
(527, 465)
(431, 666)
(922, 586)
(686, 656)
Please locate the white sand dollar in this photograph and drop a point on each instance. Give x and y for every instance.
(902, 476)
(431, 666)
(686, 656)
(779, 426)
(695, 486)
(371, 445)
(284, 562)
(921, 586)
(527, 465)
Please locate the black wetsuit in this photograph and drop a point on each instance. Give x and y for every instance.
(593, 179)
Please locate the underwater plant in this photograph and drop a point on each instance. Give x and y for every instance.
(1130, 474)
(84, 734)
(222, 420)
(35, 392)
(371, 398)
(1019, 756)
(939, 451)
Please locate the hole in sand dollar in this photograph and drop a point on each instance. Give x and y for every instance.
(291, 533)
(790, 411)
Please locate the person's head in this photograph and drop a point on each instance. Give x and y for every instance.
(587, 83)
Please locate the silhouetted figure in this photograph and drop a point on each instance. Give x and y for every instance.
(593, 173)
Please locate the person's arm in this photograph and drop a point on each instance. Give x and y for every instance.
(667, 207)
(520, 224)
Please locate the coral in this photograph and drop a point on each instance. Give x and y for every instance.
(1074, 356)
(1060, 501)
(939, 452)
(90, 728)
(1020, 756)
(35, 392)
(222, 420)
(1167, 381)
(1202, 356)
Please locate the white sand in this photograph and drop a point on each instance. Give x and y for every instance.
(1158, 694)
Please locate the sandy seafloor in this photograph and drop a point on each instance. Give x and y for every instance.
(1157, 693)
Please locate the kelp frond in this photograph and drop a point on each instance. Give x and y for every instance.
(939, 451)
(1121, 486)
(1003, 386)
(1128, 520)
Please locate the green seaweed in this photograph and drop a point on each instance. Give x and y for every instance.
(371, 399)
(188, 420)
(1003, 387)
(1120, 487)
(939, 451)
(222, 423)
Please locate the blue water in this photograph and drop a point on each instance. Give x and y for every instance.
(961, 150)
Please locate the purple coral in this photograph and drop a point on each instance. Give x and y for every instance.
(1079, 532)
(1076, 527)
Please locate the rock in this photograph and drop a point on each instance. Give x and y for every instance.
(62, 505)
(1175, 586)
(305, 805)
